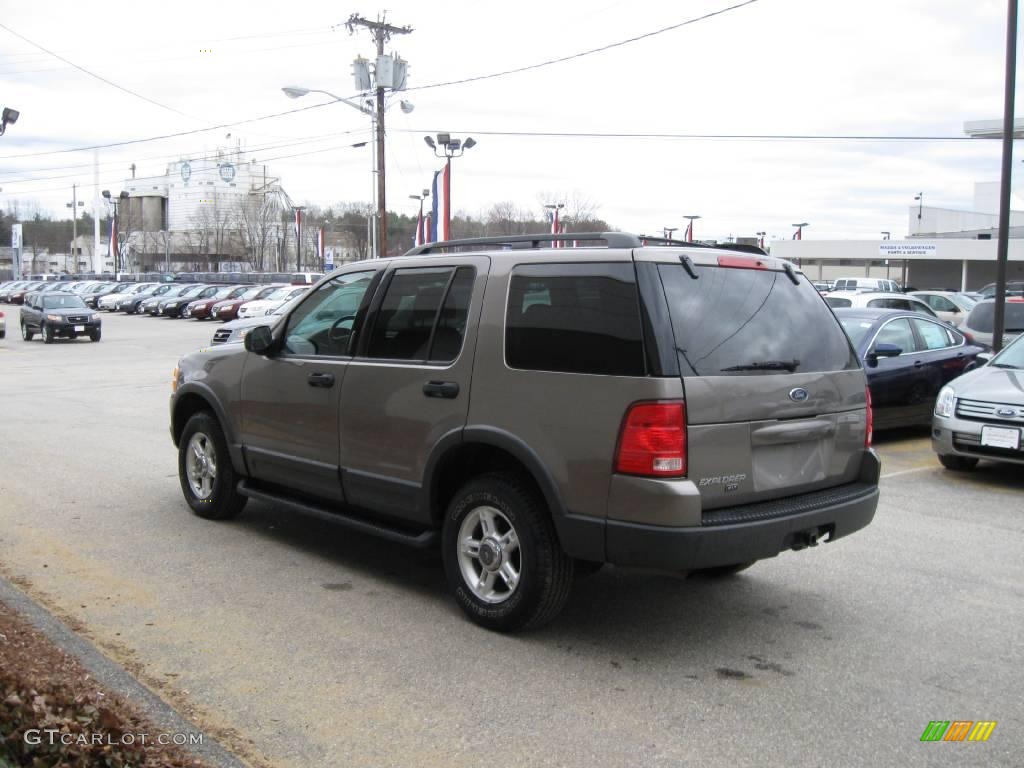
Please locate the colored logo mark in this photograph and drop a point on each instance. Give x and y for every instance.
(958, 730)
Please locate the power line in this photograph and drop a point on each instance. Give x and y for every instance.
(709, 136)
(590, 52)
(93, 74)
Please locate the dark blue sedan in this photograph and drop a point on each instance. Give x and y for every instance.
(908, 358)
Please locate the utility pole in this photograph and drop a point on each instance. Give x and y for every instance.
(381, 32)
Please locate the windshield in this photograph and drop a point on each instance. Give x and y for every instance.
(1012, 356)
(250, 293)
(982, 317)
(277, 293)
(963, 301)
(751, 322)
(192, 291)
(63, 302)
(856, 328)
(836, 302)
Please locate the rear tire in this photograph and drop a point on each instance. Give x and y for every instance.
(26, 334)
(958, 463)
(208, 479)
(502, 557)
(723, 571)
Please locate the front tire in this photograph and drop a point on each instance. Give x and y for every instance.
(26, 334)
(95, 335)
(502, 557)
(208, 479)
(47, 332)
(958, 463)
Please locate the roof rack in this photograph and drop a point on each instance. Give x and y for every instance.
(610, 239)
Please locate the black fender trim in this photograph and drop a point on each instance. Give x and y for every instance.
(204, 392)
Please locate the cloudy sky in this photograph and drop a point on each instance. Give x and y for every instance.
(618, 127)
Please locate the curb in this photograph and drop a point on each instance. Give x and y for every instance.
(116, 678)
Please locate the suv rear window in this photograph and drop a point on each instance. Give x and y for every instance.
(575, 318)
(751, 321)
(982, 317)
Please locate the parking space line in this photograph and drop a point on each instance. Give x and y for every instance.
(908, 471)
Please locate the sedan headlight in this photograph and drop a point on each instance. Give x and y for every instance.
(945, 403)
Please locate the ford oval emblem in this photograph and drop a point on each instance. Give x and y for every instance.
(1007, 413)
(798, 395)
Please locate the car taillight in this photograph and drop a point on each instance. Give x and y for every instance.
(868, 434)
(652, 442)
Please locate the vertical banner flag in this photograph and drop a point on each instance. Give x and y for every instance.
(797, 235)
(112, 245)
(320, 244)
(298, 223)
(446, 202)
(688, 237)
(417, 238)
(554, 226)
(433, 209)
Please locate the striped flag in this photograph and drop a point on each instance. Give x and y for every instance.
(798, 235)
(298, 223)
(320, 244)
(112, 245)
(434, 196)
(688, 237)
(417, 238)
(555, 227)
(444, 205)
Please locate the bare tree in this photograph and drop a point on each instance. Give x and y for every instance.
(257, 221)
(579, 212)
(505, 218)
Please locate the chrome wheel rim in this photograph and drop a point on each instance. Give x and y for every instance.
(490, 558)
(201, 465)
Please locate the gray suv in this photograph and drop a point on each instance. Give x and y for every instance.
(538, 411)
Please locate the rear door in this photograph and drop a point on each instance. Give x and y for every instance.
(775, 396)
(408, 387)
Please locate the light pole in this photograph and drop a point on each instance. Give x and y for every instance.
(377, 123)
(689, 228)
(760, 239)
(450, 148)
(74, 206)
(9, 117)
(418, 239)
(667, 231)
(799, 234)
(297, 210)
(886, 235)
(920, 205)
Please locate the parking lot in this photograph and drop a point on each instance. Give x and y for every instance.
(300, 643)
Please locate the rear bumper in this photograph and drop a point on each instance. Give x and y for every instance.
(752, 532)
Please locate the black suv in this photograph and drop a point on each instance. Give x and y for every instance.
(537, 411)
(54, 314)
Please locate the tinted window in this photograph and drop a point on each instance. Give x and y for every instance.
(451, 325)
(323, 324)
(933, 335)
(983, 316)
(897, 332)
(751, 321)
(575, 318)
(406, 317)
(837, 303)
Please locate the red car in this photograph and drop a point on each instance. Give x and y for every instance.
(228, 309)
(201, 309)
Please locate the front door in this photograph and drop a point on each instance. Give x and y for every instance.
(289, 402)
(408, 386)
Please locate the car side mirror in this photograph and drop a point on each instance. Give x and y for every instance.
(259, 340)
(983, 358)
(882, 349)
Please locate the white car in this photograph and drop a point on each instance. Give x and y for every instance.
(949, 306)
(876, 284)
(267, 305)
(109, 302)
(844, 299)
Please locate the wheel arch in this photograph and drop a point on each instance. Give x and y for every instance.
(193, 398)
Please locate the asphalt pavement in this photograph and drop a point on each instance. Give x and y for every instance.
(296, 642)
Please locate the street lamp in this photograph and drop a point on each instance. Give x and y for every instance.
(689, 228)
(667, 231)
(449, 148)
(920, 205)
(799, 234)
(886, 235)
(9, 117)
(760, 236)
(74, 205)
(377, 122)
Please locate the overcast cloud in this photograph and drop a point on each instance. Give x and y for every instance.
(875, 67)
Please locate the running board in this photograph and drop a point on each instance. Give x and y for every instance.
(381, 530)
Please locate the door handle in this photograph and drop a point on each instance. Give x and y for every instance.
(325, 380)
(445, 389)
(918, 364)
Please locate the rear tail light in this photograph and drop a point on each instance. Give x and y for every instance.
(652, 442)
(870, 424)
(741, 262)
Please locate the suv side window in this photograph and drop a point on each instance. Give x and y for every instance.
(405, 321)
(322, 324)
(897, 332)
(574, 318)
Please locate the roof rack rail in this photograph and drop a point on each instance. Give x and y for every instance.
(611, 240)
(743, 247)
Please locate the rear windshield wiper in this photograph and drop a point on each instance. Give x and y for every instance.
(766, 365)
(1005, 365)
